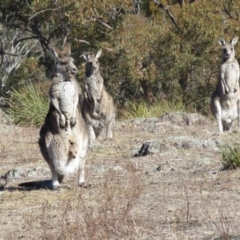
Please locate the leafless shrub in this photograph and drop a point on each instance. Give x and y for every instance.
(108, 217)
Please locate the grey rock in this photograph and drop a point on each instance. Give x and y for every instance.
(20, 172)
(204, 161)
(3, 182)
(183, 118)
(210, 143)
(185, 142)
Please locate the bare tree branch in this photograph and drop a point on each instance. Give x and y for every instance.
(23, 39)
(165, 9)
(12, 54)
(102, 22)
(65, 36)
(1, 56)
(81, 41)
(181, 2)
(34, 28)
(226, 11)
(136, 6)
(46, 10)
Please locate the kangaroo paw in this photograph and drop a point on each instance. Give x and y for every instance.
(62, 122)
(73, 121)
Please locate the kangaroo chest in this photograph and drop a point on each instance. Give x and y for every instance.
(93, 85)
(67, 89)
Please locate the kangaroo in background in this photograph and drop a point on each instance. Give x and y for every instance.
(225, 100)
(98, 107)
(55, 141)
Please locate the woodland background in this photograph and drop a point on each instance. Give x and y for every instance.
(153, 51)
(157, 55)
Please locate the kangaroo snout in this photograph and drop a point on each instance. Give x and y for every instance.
(74, 70)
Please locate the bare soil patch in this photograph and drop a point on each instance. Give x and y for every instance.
(177, 191)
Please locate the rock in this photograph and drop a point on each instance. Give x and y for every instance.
(185, 142)
(183, 119)
(15, 173)
(210, 144)
(204, 161)
(4, 118)
(3, 182)
(143, 150)
(20, 172)
(167, 149)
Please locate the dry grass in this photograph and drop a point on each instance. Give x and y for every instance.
(189, 197)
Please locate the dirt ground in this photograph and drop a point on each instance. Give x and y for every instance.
(177, 191)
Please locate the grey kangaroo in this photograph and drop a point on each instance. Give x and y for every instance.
(98, 107)
(64, 148)
(225, 100)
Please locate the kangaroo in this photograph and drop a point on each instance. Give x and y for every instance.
(72, 147)
(54, 141)
(64, 92)
(225, 100)
(64, 96)
(98, 107)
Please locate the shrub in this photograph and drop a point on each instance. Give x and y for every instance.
(230, 156)
(28, 106)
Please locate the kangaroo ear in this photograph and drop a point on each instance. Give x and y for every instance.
(234, 40)
(55, 52)
(99, 53)
(66, 49)
(221, 42)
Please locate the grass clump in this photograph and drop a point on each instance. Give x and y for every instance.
(230, 156)
(145, 110)
(28, 106)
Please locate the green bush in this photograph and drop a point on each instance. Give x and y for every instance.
(230, 156)
(28, 106)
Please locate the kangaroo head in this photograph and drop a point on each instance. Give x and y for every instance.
(92, 63)
(64, 64)
(72, 148)
(228, 50)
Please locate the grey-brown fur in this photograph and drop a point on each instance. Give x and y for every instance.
(54, 140)
(98, 107)
(72, 147)
(225, 100)
(64, 95)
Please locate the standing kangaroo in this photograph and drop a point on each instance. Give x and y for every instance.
(98, 107)
(225, 100)
(64, 149)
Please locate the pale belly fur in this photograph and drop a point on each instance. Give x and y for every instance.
(229, 111)
(65, 166)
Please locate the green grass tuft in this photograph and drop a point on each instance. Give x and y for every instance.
(230, 156)
(28, 106)
(147, 110)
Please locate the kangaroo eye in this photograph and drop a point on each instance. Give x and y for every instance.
(62, 63)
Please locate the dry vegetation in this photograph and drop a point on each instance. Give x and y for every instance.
(177, 192)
